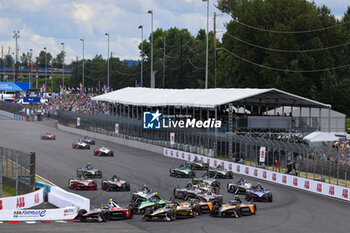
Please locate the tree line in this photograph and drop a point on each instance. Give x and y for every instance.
(292, 45)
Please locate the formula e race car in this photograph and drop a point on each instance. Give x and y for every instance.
(258, 193)
(189, 208)
(220, 172)
(80, 145)
(233, 208)
(89, 171)
(240, 187)
(197, 164)
(88, 140)
(82, 184)
(110, 211)
(188, 192)
(115, 184)
(152, 201)
(47, 136)
(103, 151)
(206, 181)
(166, 213)
(140, 196)
(211, 197)
(182, 171)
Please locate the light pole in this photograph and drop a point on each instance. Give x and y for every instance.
(141, 27)
(63, 64)
(107, 34)
(45, 67)
(152, 78)
(13, 67)
(83, 40)
(16, 36)
(206, 54)
(30, 68)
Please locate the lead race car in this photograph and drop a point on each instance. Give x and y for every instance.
(109, 211)
(47, 136)
(82, 183)
(258, 193)
(88, 140)
(220, 172)
(182, 171)
(115, 184)
(103, 151)
(89, 171)
(240, 187)
(80, 145)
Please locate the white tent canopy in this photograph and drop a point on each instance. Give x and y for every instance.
(204, 98)
(319, 136)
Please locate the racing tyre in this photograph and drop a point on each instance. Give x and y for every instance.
(124, 187)
(80, 214)
(270, 199)
(131, 213)
(215, 211)
(198, 209)
(171, 215)
(104, 216)
(75, 185)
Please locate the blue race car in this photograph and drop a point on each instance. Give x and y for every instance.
(258, 193)
(88, 140)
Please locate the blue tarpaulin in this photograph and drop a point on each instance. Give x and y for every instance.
(13, 86)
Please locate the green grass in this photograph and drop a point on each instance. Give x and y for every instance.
(8, 191)
(347, 125)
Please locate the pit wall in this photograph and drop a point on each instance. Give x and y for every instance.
(304, 184)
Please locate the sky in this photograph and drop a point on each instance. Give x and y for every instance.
(48, 23)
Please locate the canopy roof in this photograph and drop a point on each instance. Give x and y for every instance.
(205, 98)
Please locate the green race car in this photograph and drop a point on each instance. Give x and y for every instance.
(182, 171)
(151, 201)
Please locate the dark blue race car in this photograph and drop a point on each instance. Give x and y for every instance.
(258, 193)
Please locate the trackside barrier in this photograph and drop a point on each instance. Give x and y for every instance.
(11, 115)
(66, 213)
(309, 185)
(23, 201)
(62, 199)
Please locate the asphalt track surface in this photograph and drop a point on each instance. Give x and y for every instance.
(290, 211)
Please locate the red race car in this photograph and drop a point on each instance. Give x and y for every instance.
(47, 136)
(82, 184)
(110, 211)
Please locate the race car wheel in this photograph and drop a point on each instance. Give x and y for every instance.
(103, 184)
(131, 213)
(105, 216)
(198, 209)
(110, 153)
(215, 211)
(80, 214)
(75, 185)
(171, 215)
(270, 199)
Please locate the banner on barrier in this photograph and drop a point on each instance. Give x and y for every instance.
(23, 201)
(272, 176)
(61, 198)
(66, 213)
(172, 138)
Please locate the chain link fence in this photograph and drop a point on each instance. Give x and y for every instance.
(319, 162)
(17, 170)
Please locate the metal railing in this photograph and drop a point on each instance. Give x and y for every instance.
(17, 168)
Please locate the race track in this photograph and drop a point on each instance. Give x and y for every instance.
(291, 210)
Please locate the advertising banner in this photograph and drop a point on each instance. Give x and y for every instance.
(13, 86)
(66, 213)
(78, 121)
(116, 128)
(172, 138)
(23, 201)
(262, 154)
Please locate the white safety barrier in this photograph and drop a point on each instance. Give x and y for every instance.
(313, 186)
(23, 201)
(62, 198)
(67, 213)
